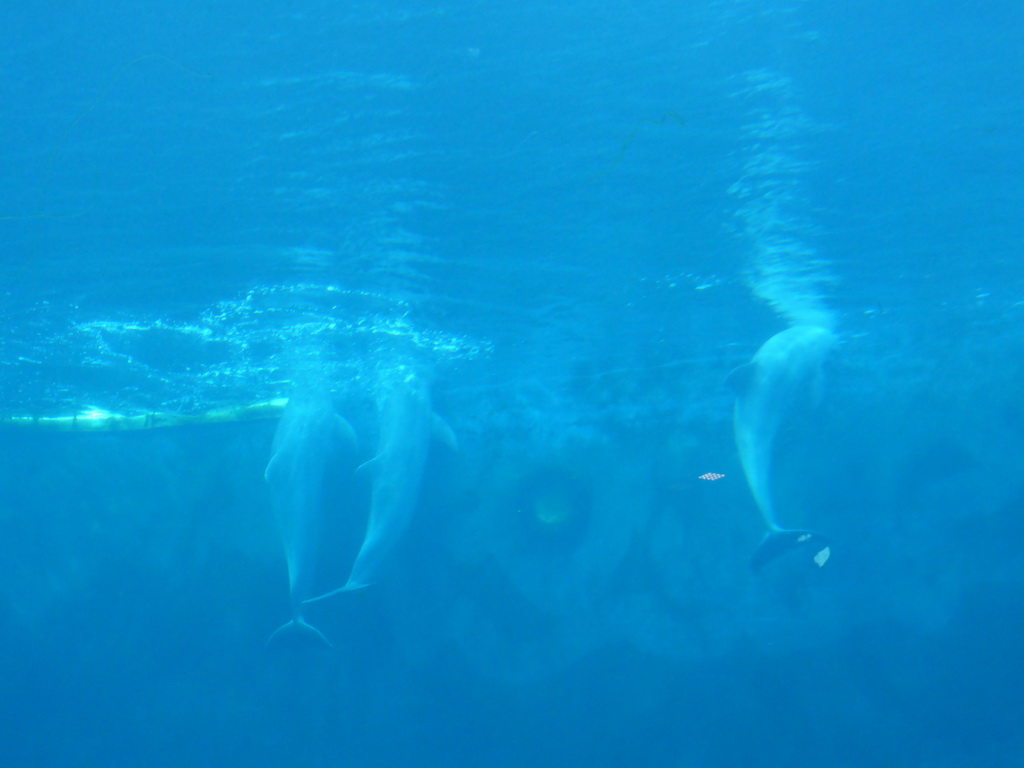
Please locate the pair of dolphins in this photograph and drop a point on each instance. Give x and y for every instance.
(312, 440)
(783, 375)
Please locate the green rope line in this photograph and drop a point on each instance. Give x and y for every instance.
(103, 421)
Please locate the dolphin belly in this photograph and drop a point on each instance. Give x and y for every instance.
(308, 440)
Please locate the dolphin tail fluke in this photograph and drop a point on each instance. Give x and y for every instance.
(298, 631)
(351, 586)
(778, 542)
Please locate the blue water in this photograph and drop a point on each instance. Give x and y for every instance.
(575, 219)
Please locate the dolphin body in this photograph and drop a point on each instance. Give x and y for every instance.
(784, 374)
(310, 438)
(406, 426)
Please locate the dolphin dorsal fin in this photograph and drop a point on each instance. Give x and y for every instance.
(741, 379)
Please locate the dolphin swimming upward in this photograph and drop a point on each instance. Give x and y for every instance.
(783, 374)
(308, 441)
(406, 425)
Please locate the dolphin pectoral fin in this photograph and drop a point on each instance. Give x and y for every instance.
(299, 630)
(325, 595)
(349, 587)
(368, 467)
(777, 543)
(741, 379)
(444, 433)
(271, 469)
(346, 434)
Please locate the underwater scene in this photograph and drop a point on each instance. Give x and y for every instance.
(406, 383)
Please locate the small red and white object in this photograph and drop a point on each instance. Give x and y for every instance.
(711, 476)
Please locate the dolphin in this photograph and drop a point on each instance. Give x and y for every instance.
(309, 440)
(784, 374)
(406, 426)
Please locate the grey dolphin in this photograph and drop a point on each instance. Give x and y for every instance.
(406, 426)
(310, 438)
(783, 374)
